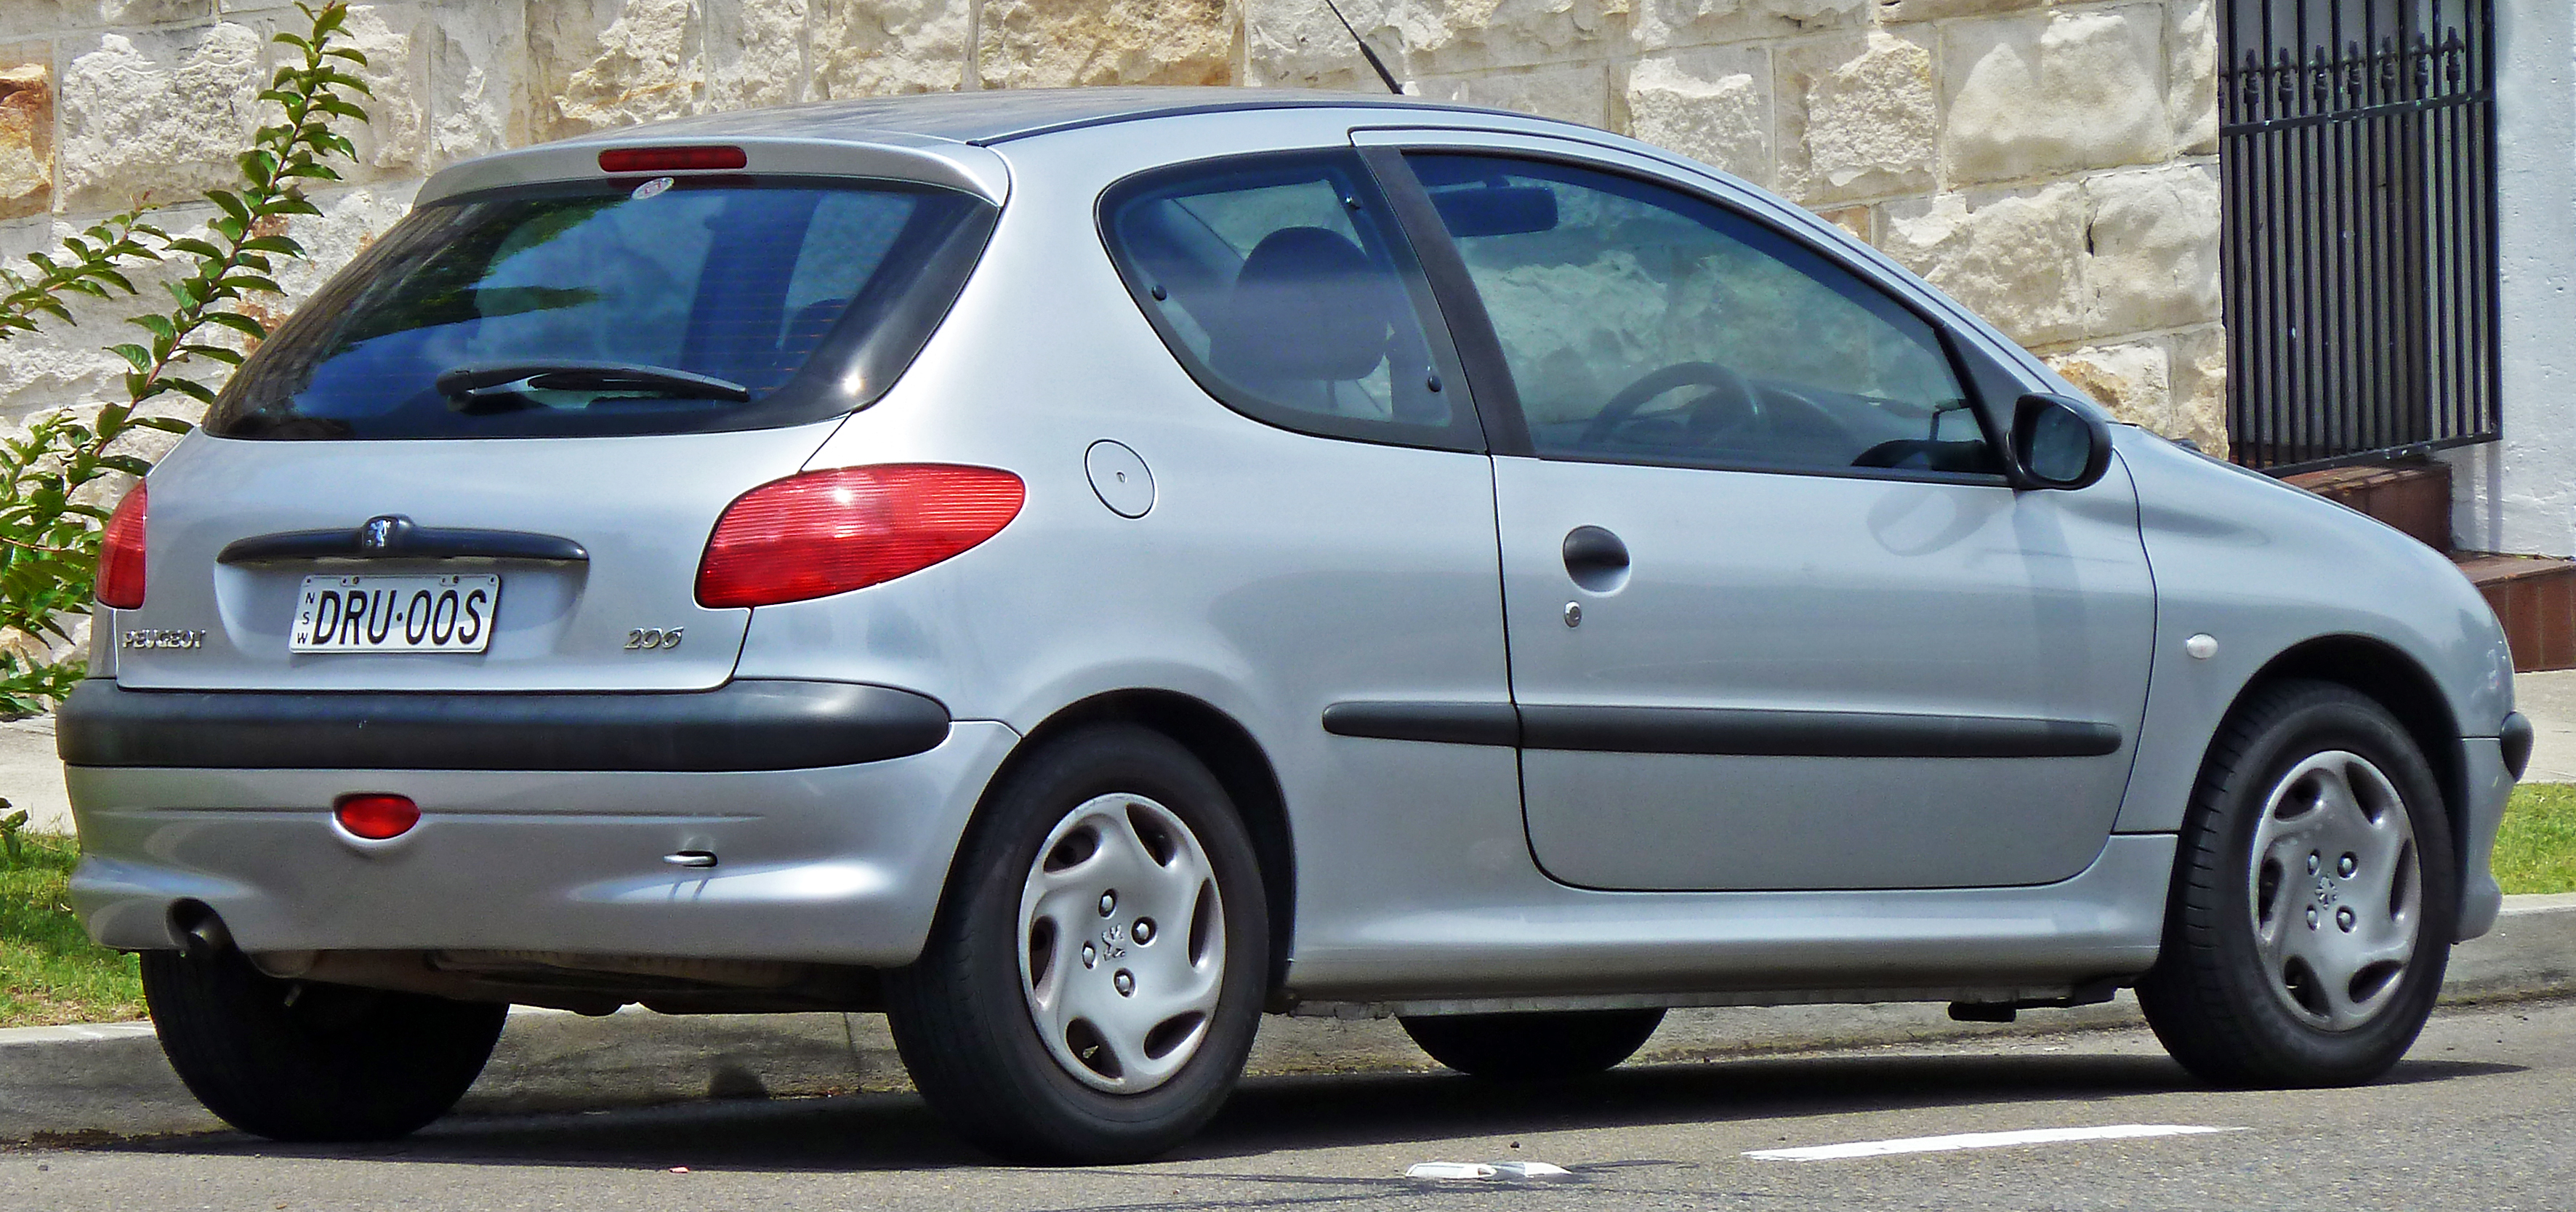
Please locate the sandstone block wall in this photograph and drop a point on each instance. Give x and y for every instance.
(2051, 164)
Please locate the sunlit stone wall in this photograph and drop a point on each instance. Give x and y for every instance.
(2052, 165)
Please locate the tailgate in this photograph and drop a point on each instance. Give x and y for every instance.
(637, 509)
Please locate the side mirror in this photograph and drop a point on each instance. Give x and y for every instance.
(2058, 443)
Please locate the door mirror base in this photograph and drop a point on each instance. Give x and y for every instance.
(2057, 442)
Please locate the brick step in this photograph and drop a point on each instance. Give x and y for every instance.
(2413, 497)
(2535, 598)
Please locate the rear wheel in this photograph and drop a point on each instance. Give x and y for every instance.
(298, 1061)
(2314, 897)
(1539, 1046)
(1095, 978)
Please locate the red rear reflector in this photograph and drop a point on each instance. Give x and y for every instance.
(120, 553)
(670, 159)
(828, 532)
(376, 817)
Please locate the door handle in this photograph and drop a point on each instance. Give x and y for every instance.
(1595, 558)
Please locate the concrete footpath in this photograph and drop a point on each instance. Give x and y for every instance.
(68, 1085)
(31, 776)
(2549, 699)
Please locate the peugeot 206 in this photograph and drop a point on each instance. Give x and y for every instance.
(1077, 571)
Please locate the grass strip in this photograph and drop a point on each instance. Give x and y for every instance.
(49, 970)
(2536, 850)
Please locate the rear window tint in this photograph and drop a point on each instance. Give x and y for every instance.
(616, 307)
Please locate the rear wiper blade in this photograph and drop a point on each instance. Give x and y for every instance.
(483, 380)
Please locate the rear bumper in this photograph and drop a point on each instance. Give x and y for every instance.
(834, 864)
(743, 725)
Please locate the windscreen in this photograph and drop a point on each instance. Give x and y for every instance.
(616, 307)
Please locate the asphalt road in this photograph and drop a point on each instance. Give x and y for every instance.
(2479, 1117)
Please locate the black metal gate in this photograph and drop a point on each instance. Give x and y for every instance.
(2357, 143)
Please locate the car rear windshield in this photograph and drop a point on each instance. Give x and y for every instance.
(616, 307)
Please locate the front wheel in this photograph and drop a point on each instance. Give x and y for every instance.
(300, 1061)
(1093, 983)
(1533, 1046)
(2314, 897)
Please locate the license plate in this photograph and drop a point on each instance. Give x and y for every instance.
(395, 614)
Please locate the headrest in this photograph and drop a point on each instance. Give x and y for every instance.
(1306, 305)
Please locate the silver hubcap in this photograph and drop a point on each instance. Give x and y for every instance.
(1122, 943)
(2335, 892)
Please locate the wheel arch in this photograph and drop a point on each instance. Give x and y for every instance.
(1231, 753)
(2401, 684)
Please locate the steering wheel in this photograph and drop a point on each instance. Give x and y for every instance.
(1680, 374)
(1785, 426)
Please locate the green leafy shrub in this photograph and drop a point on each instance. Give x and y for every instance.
(53, 479)
(89, 269)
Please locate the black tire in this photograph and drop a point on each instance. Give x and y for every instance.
(300, 1061)
(965, 1024)
(2236, 1011)
(1549, 1046)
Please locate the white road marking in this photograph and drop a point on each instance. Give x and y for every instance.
(1447, 1171)
(1442, 1171)
(1979, 1140)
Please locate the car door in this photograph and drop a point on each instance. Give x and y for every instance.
(1777, 620)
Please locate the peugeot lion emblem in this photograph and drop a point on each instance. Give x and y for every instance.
(377, 533)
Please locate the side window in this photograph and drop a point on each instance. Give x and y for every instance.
(1642, 324)
(1281, 285)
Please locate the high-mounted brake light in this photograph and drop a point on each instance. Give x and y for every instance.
(376, 816)
(120, 553)
(828, 532)
(670, 159)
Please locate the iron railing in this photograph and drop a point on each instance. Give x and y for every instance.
(2357, 148)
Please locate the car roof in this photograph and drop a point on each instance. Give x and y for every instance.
(998, 115)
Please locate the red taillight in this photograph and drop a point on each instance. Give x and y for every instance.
(120, 553)
(828, 532)
(670, 159)
(376, 817)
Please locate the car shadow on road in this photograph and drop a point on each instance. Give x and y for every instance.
(863, 1132)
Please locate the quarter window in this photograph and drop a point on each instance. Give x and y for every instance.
(1281, 285)
(1641, 324)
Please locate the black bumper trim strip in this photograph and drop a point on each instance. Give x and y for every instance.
(1753, 732)
(745, 725)
(1440, 723)
(1717, 731)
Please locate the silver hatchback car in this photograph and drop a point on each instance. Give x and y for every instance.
(1074, 571)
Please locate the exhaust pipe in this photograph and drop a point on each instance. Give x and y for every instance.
(200, 932)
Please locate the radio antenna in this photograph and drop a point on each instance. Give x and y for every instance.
(1365, 52)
